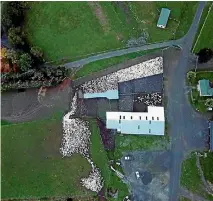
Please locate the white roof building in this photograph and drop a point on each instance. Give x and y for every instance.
(150, 123)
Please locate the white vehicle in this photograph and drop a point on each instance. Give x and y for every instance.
(137, 174)
(127, 158)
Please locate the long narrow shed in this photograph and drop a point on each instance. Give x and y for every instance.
(163, 18)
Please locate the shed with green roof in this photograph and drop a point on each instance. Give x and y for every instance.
(163, 18)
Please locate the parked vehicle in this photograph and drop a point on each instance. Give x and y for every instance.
(137, 174)
(128, 158)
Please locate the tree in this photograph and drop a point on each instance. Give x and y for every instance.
(25, 62)
(16, 36)
(205, 55)
(209, 102)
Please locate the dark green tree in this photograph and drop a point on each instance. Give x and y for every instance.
(204, 55)
(12, 14)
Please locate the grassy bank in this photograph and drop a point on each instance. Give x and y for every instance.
(97, 152)
(4, 122)
(105, 63)
(190, 177)
(207, 166)
(184, 199)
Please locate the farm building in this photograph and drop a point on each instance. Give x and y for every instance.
(163, 18)
(204, 87)
(150, 123)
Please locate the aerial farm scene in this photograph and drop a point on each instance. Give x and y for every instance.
(106, 101)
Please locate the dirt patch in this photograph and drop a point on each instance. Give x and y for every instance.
(99, 13)
(25, 106)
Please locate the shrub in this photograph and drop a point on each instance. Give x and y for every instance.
(209, 102)
(16, 37)
(25, 62)
(191, 76)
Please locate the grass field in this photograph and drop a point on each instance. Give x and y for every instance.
(32, 165)
(105, 63)
(205, 40)
(69, 30)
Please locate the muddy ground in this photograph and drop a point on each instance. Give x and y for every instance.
(21, 106)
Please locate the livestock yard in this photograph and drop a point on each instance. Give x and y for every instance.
(78, 29)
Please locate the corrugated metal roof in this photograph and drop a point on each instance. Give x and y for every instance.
(205, 89)
(149, 123)
(110, 94)
(211, 135)
(164, 16)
